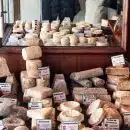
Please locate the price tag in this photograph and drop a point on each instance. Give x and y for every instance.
(5, 87)
(34, 105)
(44, 71)
(69, 126)
(59, 97)
(88, 99)
(1, 125)
(126, 118)
(44, 125)
(111, 124)
(118, 60)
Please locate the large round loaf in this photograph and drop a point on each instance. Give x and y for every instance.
(21, 128)
(32, 52)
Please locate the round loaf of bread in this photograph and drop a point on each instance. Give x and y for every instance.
(73, 40)
(82, 40)
(64, 32)
(57, 37)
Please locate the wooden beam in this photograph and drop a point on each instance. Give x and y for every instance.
(16, 9)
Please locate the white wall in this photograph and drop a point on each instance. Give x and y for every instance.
(30, 9)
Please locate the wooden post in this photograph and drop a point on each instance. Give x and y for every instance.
(1, 19)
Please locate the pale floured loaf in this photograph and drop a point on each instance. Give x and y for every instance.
(39, 92)
(4, 70)
(112, 87)
(118, 71)
(32, 52)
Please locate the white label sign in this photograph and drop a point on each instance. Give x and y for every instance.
(34, 105)
(69, 126)
(111, 124)
(59, 97)
(44, 71)
(1, 125)
(44, 125)
(5, 87)
(118, 60)
(126, 118)
(88, 99)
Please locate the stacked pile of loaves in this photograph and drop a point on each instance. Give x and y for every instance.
(59, 33)
(119, 82)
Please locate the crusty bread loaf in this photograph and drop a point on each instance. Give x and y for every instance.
(118, 71)
(109, 105)
(117, 103)
(97, 117)
(125, 101)
(4, 70)
(98, 82)
(87, 74)
(119, 94)
(39, 92)
(112, 87)
(32, 52)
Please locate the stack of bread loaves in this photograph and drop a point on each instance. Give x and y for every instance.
(91, 86)
(118, 82)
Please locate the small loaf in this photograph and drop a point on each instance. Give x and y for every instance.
(4, 70)
(118, 71)
(32, 52)
(119, 94)
(43, 113)
(39, 92)
(125, 101)
(115, 79)
(124, 85)
(42, 83)
(87, 74)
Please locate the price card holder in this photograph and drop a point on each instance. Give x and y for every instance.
(59, 97)
(5, 87)
(43, 125)
(118, 60)
(126, 117)
(35, 105)
(88, 99)
(112, 124)
(44, 71)
(69, 126)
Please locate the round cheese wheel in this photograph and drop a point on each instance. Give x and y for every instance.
(11, 123)
(97, 117)
(93, 106)
(70, 115)
(21, 128)
(70, 105)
